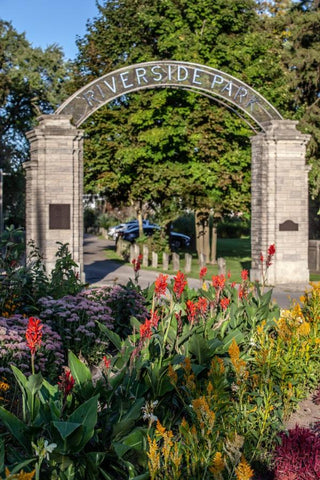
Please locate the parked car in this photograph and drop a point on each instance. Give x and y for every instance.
(113, 232)
(177, 240)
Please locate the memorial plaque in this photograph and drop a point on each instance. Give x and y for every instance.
(59, 216)
(288, 226)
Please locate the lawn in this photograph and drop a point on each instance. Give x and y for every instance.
(236, 252)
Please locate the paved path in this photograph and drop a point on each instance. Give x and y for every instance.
(100, 271)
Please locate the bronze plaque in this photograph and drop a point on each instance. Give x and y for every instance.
(59, 216)
(288, 226)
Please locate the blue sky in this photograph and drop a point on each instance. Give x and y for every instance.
(50, 21)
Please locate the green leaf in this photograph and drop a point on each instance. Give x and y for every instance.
(198, 346)
(16, 427)
(113, 337)
(79, 370)
(236, 335)
(126, 423)
(65, 428)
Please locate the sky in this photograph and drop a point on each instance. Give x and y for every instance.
(50, 21)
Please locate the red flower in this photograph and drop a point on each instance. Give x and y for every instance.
(203, 272)
(137, 263)
(160, 285)
(154, 319)
(107, 362)
(202, 305)
(261, 258)
(191, 310)
(145, 330)
(218, 281)
(66, 383)
(242, 292)
(272, 250)
(229, 274)
(179, 284)
(244, 275)
(34, 334)
(224, 302)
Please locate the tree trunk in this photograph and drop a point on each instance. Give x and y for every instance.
(213, 256)
(202, 233)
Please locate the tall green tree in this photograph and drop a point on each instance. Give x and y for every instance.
(31, 83)
(173, 148)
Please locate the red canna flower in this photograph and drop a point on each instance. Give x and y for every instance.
(261, 258)
(229, 274)
(272, 250)
(179, 284)
(224, 302)
(107, 362)
(66, 383)
(218, 281)
(137, 263)
(154, 318)
(202, 305)
(145, 329)
(34, 334)
(203, 272)
(160, 285)
(244, 275)
(191, 310)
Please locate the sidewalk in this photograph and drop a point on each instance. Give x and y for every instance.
(100, 271)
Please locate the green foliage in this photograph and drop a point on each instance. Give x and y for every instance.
(31, 83)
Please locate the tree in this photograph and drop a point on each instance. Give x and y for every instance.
(31, 83)
(171, 148)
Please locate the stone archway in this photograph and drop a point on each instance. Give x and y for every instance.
(54, 174)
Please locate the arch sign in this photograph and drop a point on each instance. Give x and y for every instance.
(279, 180)
(191, 76)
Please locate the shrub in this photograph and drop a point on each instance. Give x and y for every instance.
(124, 302)
(75, 319)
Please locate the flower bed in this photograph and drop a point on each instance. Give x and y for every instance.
(181, 383)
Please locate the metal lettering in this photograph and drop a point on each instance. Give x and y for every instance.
(90, 98)
(241, 93)
(154, 72)
(124, 79)
(140, 73)
(186, 73)
(113, 88)
(196, 75)
(251, 102)
(228, 87)
(100, 90)
(217, 79)
(169, 73)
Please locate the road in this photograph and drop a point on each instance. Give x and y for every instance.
(100, 271)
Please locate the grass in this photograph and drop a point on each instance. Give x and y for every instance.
(235, 251)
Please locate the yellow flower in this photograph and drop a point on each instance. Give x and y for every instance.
(154, 457)
(243, 470)
(160, 429)
(20, 476)
(4, 386)
(218, 464)
(304, 329)
(238, 364)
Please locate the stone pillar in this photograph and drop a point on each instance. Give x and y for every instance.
(54, 188)
(279, 202)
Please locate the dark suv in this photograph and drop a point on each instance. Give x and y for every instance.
(177, 240)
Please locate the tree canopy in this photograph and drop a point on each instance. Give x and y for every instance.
(172, 148)
(31, 83)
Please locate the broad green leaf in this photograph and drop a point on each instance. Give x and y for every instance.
(79, 370)
(113, 337)
(16, 427)
(65, 428)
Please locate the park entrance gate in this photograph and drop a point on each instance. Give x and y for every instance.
(279, 188)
